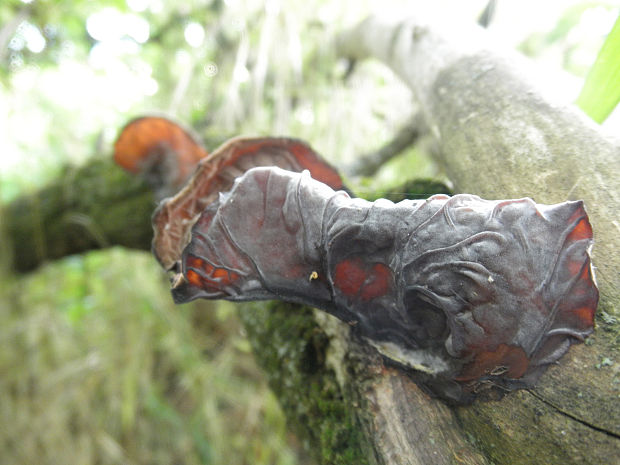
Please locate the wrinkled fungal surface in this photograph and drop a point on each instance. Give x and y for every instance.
(174, 218)
(467, 293)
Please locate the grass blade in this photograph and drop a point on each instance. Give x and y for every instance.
(601, 91)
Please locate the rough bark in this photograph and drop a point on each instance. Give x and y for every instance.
(501, 136)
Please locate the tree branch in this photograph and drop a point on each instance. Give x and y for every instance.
(501, 136)
(91, 207)
(408, 135)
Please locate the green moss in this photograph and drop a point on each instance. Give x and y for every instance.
(291, 347)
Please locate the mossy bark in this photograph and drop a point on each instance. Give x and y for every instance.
(347, 406)
(292, 349)
(89, 207)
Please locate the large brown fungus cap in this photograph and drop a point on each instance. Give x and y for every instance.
(467, 293)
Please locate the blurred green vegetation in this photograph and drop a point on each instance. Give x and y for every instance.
(97, 365)
(601, 91)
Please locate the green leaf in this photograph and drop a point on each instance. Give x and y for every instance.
(601, 91)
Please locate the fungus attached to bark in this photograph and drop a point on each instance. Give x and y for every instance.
(467, 293)
(160, 150)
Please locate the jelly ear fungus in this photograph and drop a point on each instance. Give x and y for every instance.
(159, 150)
(471, 296)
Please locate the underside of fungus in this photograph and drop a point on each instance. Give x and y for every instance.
(161, 151)
(465, 293)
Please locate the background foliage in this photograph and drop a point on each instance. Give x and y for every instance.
(97, 365)
(601, 91)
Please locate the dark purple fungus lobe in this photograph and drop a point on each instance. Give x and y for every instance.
(467, 293)
(175, 216)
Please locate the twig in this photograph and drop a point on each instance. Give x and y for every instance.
(368, 164)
